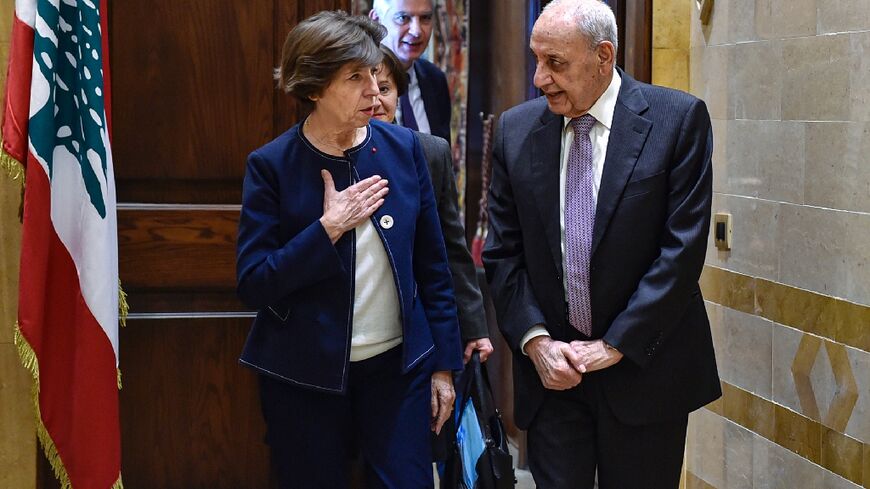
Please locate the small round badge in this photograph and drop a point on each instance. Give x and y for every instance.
(387, 222)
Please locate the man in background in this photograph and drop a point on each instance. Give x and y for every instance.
(426, 107)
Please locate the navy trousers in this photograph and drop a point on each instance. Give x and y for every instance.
(575, 434)
(313, 435)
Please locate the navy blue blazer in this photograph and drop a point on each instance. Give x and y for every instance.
(302, 285)
(436, 97)
(648, 246)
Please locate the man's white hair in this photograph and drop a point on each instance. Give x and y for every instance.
(382, 7)
(594, 18)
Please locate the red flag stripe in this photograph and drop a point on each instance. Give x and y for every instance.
(78, 397)
(17, 109)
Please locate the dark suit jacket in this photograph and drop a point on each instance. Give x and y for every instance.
(302, 285)
(469, 302)
(648, 248)
(436, 97)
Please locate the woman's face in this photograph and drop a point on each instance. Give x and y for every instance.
(388, 97)
(350, 99)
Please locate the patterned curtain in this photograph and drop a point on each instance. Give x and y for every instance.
(449, 50)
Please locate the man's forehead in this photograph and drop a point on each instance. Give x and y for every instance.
(411, 6)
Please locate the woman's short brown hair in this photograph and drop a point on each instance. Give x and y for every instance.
(394, 66)
(319, 46)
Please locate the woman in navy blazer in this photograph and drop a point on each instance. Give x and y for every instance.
(341, 253)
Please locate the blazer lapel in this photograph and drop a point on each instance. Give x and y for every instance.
(628, 134)
(426, 93)
(545, 148)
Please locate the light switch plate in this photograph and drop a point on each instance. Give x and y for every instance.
(722, 231)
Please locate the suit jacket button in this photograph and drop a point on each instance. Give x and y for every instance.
(387, 221)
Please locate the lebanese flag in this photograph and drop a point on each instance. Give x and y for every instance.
(55, 127)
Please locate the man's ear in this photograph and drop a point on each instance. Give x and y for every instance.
(373, 14)
(606, 54)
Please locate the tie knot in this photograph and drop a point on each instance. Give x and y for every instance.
(583, 124)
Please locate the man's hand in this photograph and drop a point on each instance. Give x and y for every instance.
(443, 397)
(482, 345)
(558, 365)
(595, 355)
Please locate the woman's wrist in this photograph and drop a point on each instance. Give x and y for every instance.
(332, 230)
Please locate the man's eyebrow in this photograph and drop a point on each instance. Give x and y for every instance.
(402, 12)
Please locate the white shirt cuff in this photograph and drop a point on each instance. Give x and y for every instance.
(537, 330)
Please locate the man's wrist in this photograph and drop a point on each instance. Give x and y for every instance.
(536, 331)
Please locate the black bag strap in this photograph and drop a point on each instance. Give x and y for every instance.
(483, 394)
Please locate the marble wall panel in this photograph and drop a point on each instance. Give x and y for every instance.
(706, 447)
(739, 173)
(837, 174)
(777, 19)
(858, 259)
(785, 347)
(755, 80)
(779, 147)
(721, 165)
(859, 75)
(744, 352)
(709, 79)
(672, 23)
(766, 159)
(755, 239)
(843, 15)
(842, 455)
(741, 21)
(816, 78)
(814, 246)
(670, 68)
(858, 426)
(716, 32)
(739, 448)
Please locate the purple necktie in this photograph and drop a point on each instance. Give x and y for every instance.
(408, 119)
(579, 220)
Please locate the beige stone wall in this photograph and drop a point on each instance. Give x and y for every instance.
(17, 428)
(670, 43)
(787, 83)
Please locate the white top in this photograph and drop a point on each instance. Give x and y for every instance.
(415, 97)
(602, 111)
(377, 326)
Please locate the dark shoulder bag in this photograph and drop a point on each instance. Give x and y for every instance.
(493, 468)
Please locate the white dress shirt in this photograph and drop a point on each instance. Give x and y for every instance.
(602, 111)
(415, 97)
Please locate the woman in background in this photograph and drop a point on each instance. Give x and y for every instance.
(392, 84)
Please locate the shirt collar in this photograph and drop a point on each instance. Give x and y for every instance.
(412, 76)
(603, 108)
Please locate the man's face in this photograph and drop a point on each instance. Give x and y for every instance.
(409, 26)
(571, 74)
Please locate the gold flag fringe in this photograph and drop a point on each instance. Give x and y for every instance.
(11, 166)
(123, 306)
(15, 170)
(31, 363)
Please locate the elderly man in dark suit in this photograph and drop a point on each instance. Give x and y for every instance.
(599, 213)
(426, 106)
